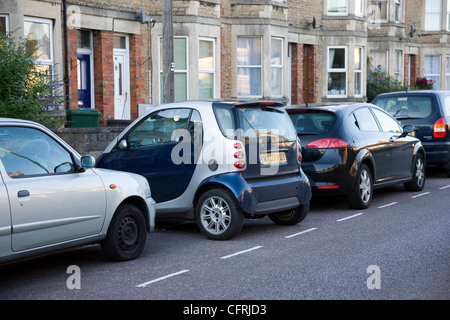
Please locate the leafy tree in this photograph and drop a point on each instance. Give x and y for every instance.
(379, 82)
(26, 92)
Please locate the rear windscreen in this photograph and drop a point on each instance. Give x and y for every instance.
(411, 107)
(255, 122)
(313, 122)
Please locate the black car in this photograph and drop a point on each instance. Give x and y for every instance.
(429, 112)
(349, 150)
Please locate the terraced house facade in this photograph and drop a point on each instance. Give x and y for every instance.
(110, 55)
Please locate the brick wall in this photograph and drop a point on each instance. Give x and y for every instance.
(104, 75)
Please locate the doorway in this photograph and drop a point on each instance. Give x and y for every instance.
(121, 82)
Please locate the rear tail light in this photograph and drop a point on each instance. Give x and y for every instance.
(239, 155)
(327, 143)
(440, 128)
(299, 151)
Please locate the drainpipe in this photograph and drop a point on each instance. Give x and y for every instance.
(66, 58)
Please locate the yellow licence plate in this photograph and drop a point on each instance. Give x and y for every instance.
(273, 158)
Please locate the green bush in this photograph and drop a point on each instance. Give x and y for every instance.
(379, 82)
(26, 92)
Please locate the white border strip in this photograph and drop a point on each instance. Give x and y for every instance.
(240, 252)
(296, 234)
(142, 285)
(445, 187)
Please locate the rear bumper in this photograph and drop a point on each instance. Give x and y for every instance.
(437, 153)
(266, 195)
(329, 180)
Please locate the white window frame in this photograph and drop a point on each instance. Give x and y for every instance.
(359, 3)
(40, 61)
(337, 13)
(338, 70)
(175, 71)
(448, 15)
(398, 12)
(398, 59)
(428, 75)
(431, 16)
(447, 73)
(372, 5)
(6, 22)
(359, 71)
(250, 67)
(208, 70)
(277, 67)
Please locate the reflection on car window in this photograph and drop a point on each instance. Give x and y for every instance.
(160, 127)
(26, 151)
(402, 107)
(365, 120)
(313, 122)
(267, 122)
(447, 105)
(387, 123)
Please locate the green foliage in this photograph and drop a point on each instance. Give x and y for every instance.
(379, 82)
(26, 92)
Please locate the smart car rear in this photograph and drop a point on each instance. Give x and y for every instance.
(217, 162)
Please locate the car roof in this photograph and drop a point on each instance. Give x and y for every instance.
(415, 92)
(9, 121)
(336, 108)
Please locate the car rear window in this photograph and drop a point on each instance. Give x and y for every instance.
(447, 106)
(313, 122)
(407, 107)
(255, 121)
(262, 121)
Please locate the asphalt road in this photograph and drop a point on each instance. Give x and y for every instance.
(398, 249)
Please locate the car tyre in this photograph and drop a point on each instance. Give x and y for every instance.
(218, 215)
(126, 235)
(361, 195)
(418, 181)
(290, 217)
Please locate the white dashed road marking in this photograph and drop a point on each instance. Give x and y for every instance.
(355, 215)
(241, 252)
(142, 285)
(296, 234)
(419, 195)
(387, 205)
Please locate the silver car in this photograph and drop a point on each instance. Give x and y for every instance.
(52, 199)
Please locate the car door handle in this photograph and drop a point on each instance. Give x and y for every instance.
(23, 193)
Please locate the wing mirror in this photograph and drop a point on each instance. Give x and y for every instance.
(87, 162)
(407, 130)
(123, 145)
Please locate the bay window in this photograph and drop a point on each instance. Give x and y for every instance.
(433, 15)
(206, 68)
(276, 79)
(249, 66)
(337, 72)
(432, 68)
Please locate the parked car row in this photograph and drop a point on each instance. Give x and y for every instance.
(215, 162)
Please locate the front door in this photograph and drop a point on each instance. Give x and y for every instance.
(121, 86)
(84, 80)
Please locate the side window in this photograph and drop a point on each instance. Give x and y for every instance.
(27, 151)
(365, 121)
(387, 123)
(196, 128)
(225, 120)
(164, 126)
